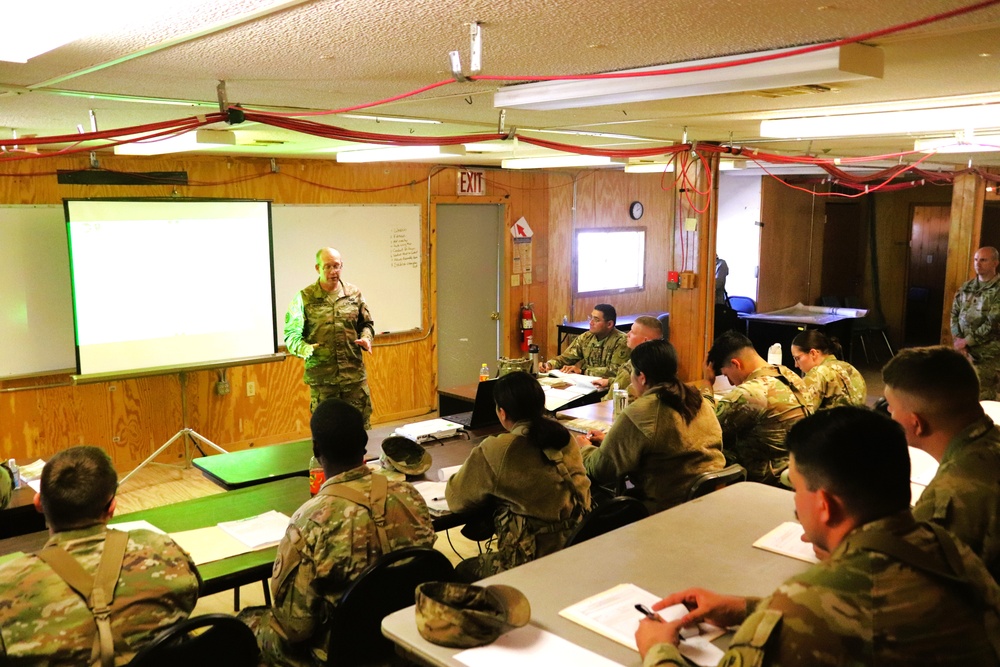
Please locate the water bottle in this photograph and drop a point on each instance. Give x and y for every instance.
(484, 373)
(15, 474)
(620, 399)
(533, 353)
(774, 354)
(316, 476)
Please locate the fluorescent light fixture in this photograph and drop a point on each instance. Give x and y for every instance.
(843, 63)
(730, 165)
(913, 121)
(400, 153)
(555, 161)
(587, 133)
(649, 167)
(491, 147)
(390, 119)
(189, 141)
(964, 144)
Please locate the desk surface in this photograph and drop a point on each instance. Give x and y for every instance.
(705, 542)
(247, 467)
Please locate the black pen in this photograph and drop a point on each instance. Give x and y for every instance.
(644, 610)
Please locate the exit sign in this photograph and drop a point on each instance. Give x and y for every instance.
(471, 182)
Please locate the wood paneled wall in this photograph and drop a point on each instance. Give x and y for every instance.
(967, 200)
(790, 244)
(131, 418)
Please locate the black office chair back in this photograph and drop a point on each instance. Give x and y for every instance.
(664, 319)
(224, 641)
(743, 304)
(608, 516)
(384, 587)
(707, 482)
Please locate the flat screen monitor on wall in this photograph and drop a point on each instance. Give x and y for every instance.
(170, 284)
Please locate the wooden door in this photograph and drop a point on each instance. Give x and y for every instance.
(925, 284)
(843, 245)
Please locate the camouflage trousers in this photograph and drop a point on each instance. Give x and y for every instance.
(356, 394)
(988, 370)
(274, 650)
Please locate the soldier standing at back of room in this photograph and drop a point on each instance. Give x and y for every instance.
(328, 325)
(975, 321)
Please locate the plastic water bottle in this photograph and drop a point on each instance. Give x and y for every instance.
(484, 373)
(774, 354)
(15, 473)
(533, 353)
(316, 476)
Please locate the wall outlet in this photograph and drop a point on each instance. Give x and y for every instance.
(251, 388)
(222, 388)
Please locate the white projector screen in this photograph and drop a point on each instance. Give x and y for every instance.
(170, 284)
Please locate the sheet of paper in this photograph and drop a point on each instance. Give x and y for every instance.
(135, 525)
(205, 545)
(433, 494)
(582, 425)
(923, 466)
(578, 379)
(444, 474)
(428, 429)
(36, 485)
(531, 646)
(786, 540)
(556, 398)
(258, 532)
(613, 614)
(916, 490)
(32, 471)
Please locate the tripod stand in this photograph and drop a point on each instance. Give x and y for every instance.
(189, 435)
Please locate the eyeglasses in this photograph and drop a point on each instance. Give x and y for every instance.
(594, 318)
(797, 357)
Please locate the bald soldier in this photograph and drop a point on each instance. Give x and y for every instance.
(893, 593)
(328, 325)
(643, 329)
(975, 321)
(43, 620)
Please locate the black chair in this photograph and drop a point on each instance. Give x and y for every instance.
(608, 516)
(664, 319)
(743, 304)
(225, 641)
(866, 329)
(386, 586)
(707, 482)
(830, 301)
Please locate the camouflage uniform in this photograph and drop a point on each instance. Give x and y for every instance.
(661, 454)
(975, 316)
(756, 416)
(833, 382)
(6, 485)
(624, 380)
(329, 542)
(537, 507)
(44, 622)
(863, 607)
(964, 495)
(600, 358)
(334, 320)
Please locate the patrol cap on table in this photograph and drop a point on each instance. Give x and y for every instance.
(405, 455)
(464, 615)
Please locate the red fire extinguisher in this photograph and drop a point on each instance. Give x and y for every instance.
(527, 326)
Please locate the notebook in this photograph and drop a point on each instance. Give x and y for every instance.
(484, 412)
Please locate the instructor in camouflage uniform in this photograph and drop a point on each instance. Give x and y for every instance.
(599, 352)
(893, 593)
(45, 622)
(328, 325)
(756, 414)
(331, 539)
(975, 321)
(933, 393)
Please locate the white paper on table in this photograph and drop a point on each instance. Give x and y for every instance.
(258, 532)
(206, 545)
(36, 485)
(32, 471)
(579, 379)
(923, 466)
(557, 398)
(444, 474)
(612, 613)
(433, 495)
(530, 646)
(786, 540)
(126, 526)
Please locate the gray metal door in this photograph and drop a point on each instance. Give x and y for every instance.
(468, 286)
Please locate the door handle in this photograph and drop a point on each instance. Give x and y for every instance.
(495, 316)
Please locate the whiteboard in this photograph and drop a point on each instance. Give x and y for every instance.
(380, 247)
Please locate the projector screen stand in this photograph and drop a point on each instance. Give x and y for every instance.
(192, 437)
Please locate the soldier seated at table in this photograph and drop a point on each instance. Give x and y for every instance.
(332, 538)
(598, 352)
(149, 583)
(645, 328)
(894, 592)
(766, 400)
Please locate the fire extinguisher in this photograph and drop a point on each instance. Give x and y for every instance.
(527, 326)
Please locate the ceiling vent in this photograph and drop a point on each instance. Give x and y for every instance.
(793, 91)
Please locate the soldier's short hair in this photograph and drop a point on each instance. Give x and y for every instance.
(651, 323)
(338, 432)
(609, 312)
(726, 347)
(856, 454)
(78, 485)
(938, 375)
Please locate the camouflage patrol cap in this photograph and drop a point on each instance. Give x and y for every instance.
(405, 455)
(463, 615)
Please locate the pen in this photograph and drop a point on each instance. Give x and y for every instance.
(644, 610)
(438, 498)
